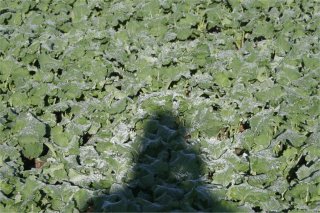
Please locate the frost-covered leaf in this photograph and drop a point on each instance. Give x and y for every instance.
(81, 197)
(32, 146)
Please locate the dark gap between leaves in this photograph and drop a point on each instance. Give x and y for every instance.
(85, 138)
(31, 72)
(39, 113)
(78, 159)
(292, 173)
(58, 115)
(36, 64)
(115, 74)
(48, 131)
(273, 54)
(204, 95)
(173, 84)
(28, 164)
(257, 209)
(81, 98)
(139, 92)
(98, 9)
(193, 71)
(215, 29)
(46, 100)
(5, 22)
(59, 71)
(244, 23)
(259, 38)
(45, 150)
(120, 23)
(216, 107)
(309, 134)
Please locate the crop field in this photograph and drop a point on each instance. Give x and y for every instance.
(159, 106)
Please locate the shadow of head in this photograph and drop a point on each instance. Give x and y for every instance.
(168, 173)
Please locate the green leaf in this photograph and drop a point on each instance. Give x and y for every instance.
(56, 172)
(222, 79)
(7, 67)
(80, 11)
(103, 184)
(5, 187)
(183, 33)
(214, 150)
(223, 177)
(288, 74)
(19, 99)
(263, 140)
(311, 63)
(118, 106)
(282, 44)
(94, 128)
(72, 90)
(47, 63)
(158, 27)
(214, 16)
(31, 145)
(261, 180)
(293, 138)
(81, 198)
(262, 74)
(201, 55)
(4, 44)
(245, 193)
(149, 9)
(103, 146)
(16, 19)
(305, 172)
(30, 186)
(259, 165)
(20, 76)
(189, 20)
(30, 129)
(43, 76)
(59, 137)
(264, 29)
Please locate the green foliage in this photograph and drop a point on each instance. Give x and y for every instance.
(31, 146)
(79, 81)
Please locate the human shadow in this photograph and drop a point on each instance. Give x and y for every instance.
(167, 176)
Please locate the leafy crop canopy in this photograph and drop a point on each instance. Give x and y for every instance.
(153, 105)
